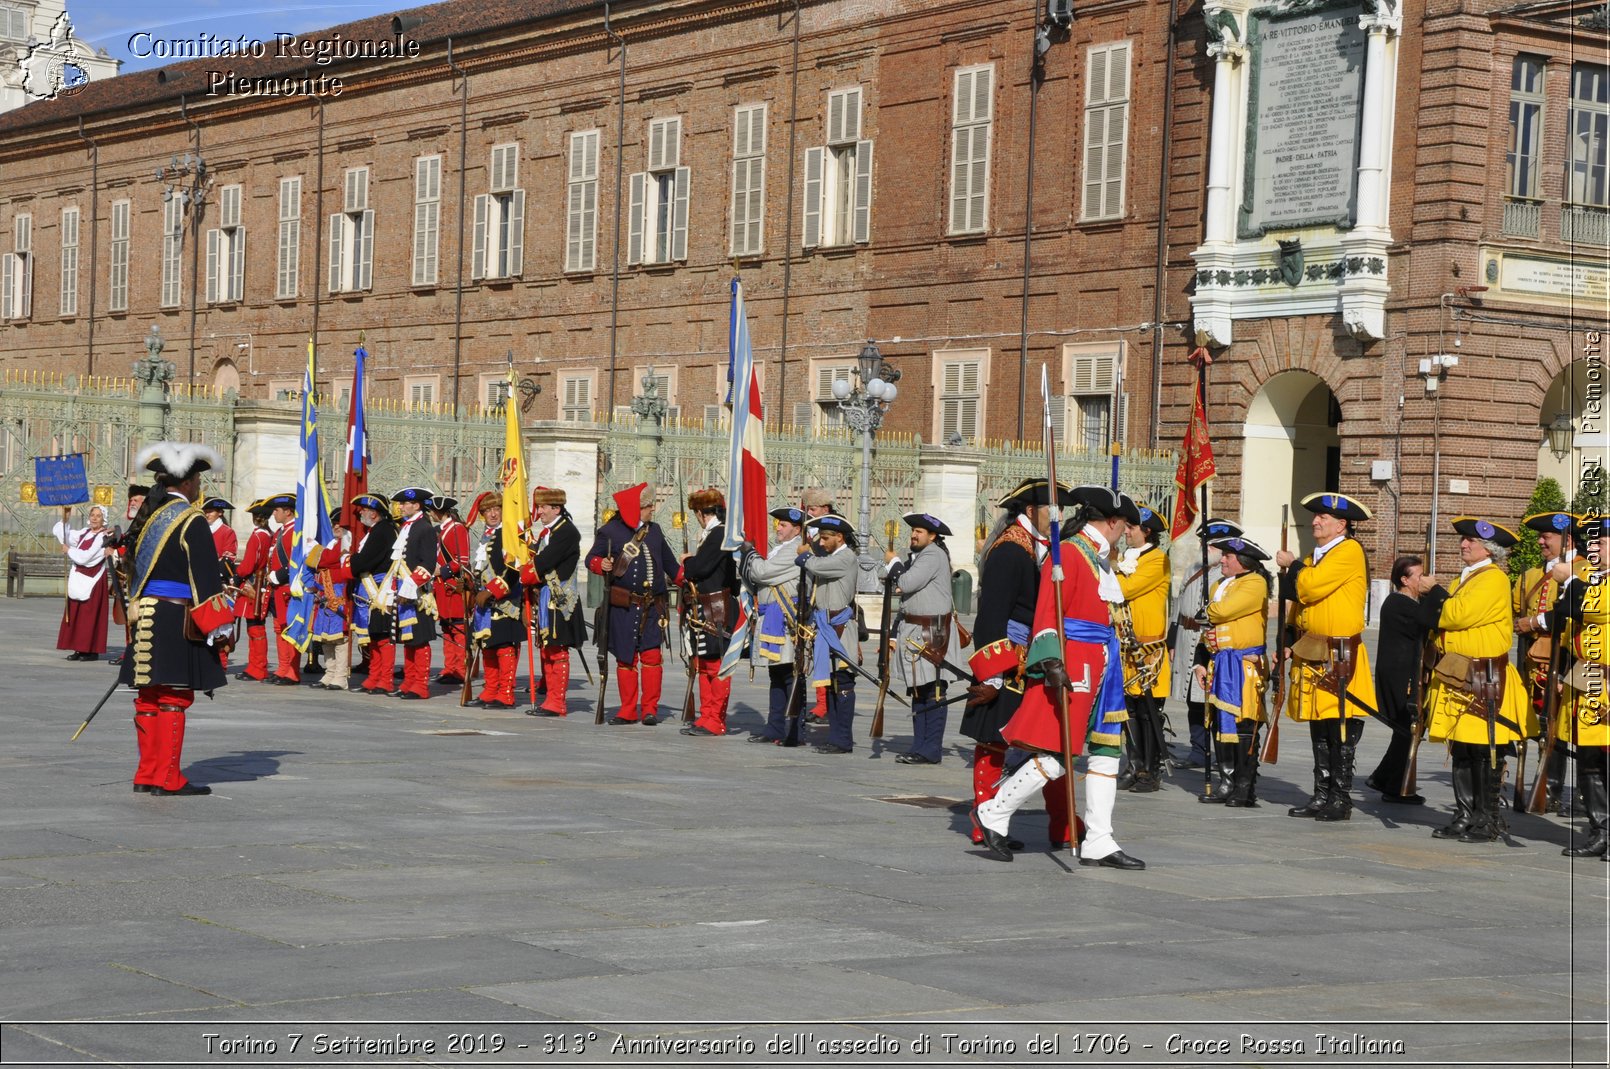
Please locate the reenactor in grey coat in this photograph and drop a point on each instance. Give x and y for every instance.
(832, 567)
(775, 580)
(926, 634)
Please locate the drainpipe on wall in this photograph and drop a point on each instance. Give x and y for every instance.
(94, 234)
(318, 230)
(615, 272)
(463, 177)
(1163, 176)
(195, 244)
(788, 229)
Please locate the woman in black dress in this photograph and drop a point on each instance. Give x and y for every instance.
(1407, 616)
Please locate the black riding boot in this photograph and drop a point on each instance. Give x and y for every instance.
(1242, 792)
(1554, 776)
(1344, 738)
(1464, 791)
(1590, 783)
(1317, 737)
(1488, 822)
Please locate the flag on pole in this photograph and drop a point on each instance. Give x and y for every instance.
(312, 519)
(355, 479)
(1196, 467)
(747, 518)
(1051, 473)
(513, 477)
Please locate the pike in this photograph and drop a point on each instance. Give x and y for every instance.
(1050, 436)
(1271, 741)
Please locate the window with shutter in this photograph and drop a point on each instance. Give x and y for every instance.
(420, 390)
(172, 249)
(838, 178)
(288, 261)
(660, 218)
(576, 398)
(505, 170)
(961, 395)
(971, 114)
(427, 218)
(499, 235)
(118, 298)
(581, 211)
(1090, 374)
(69, 261)
(828, 413)
(352, 236)
(1106, 130)
(748, 179)
(226, 250)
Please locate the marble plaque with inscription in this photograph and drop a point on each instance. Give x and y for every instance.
(1303, 105)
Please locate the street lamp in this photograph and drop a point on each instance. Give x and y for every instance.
(1560, 435)
(863, 408)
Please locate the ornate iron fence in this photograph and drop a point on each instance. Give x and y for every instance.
(689, 453)
(1145, 475)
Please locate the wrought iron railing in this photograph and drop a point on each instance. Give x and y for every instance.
(1521, 218)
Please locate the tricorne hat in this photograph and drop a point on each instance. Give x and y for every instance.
(416, 494)
(177, 460)
(836, 523)
(216, 504)
(1339, 505)
(1475, 527)
(1034, 492)
(788, 514)
(929, 522)
(1241, 547)
(1150, 520)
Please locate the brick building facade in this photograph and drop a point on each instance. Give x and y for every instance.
(864, 163)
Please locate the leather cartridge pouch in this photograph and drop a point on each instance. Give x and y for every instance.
(1453, 669)
(934, 632)
(1541, 649)
(620, 597)
(718, 609)
(1311, 647)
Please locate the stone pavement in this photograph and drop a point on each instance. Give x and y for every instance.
(556, 891)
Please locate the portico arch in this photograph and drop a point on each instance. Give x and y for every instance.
(1575, 397)
(1290, 449)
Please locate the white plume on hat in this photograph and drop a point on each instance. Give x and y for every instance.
(178, 459)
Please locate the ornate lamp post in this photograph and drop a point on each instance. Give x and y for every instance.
(1560, 435)
(863, 408)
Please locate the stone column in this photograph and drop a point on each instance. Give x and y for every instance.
(1364, 295)
(268, 454)
(947, 487)
(1226, 44)
(565, 455)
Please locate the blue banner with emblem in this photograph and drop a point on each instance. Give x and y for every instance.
(61, 480)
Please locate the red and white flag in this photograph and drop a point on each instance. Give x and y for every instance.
(747, 518)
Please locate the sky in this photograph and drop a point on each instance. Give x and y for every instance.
(111, 24)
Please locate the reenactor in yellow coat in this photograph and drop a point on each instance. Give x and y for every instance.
(1477, 703)
(1237, 675)
(1534, 595)
(1585, 602)
(1331, 686)
(1143, 573)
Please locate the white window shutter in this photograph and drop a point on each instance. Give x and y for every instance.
(483, 203)
(673, 143)
(25, 233)
(212, 266)
(1059, 420)
(1112, 201)
(516, 232)
(1096, 77)
(8, 284)
(835, 118)
(862, 207)
(27, 286)
(338, 223)
(656, 146)
(679, 216)
(634, 217)
(803, 413)
(366, 255)
(1095, 161)
(960, 177)
(575, 226)
(813, 197)
(1118, 74)
(237, 265)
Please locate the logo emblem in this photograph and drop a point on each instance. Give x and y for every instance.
(57, 67)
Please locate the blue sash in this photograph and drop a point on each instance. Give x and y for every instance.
(1110, 696)
(166, 588)
(772, 629)
(161, 525)
(827, 644)
(1229, 699)
(543, 597)
(481, 623)
(1017, 634)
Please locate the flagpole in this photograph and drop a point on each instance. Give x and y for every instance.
(1055, 505)
(1202, 516)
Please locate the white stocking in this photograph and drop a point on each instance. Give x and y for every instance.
(1101, 792)
(1026, 782)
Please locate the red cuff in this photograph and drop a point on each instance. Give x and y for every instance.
(212, 614)
(996, 659)
(529, 575)
(681, 571)
(421, 576)
(497, 588)
(595, 565)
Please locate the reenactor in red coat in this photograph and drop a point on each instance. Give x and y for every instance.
(226, 542)
(288, 670)
(452, 561)
(251, 573)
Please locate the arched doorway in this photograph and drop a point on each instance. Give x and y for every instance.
(1573, 434)
(1290, 450)
(226, 376)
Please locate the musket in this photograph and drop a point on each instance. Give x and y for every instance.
(1050, 436)
(868, 676)
(1416, 706)
(955, 670)
(884, 638)
(603, 637)
(104, 699)
(688, 599)
(1271, 741)
(1551, 705)
(795, 707)
(471, 666)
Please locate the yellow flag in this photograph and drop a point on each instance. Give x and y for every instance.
(515, 498)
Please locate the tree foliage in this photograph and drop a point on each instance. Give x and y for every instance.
(1546, 497)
